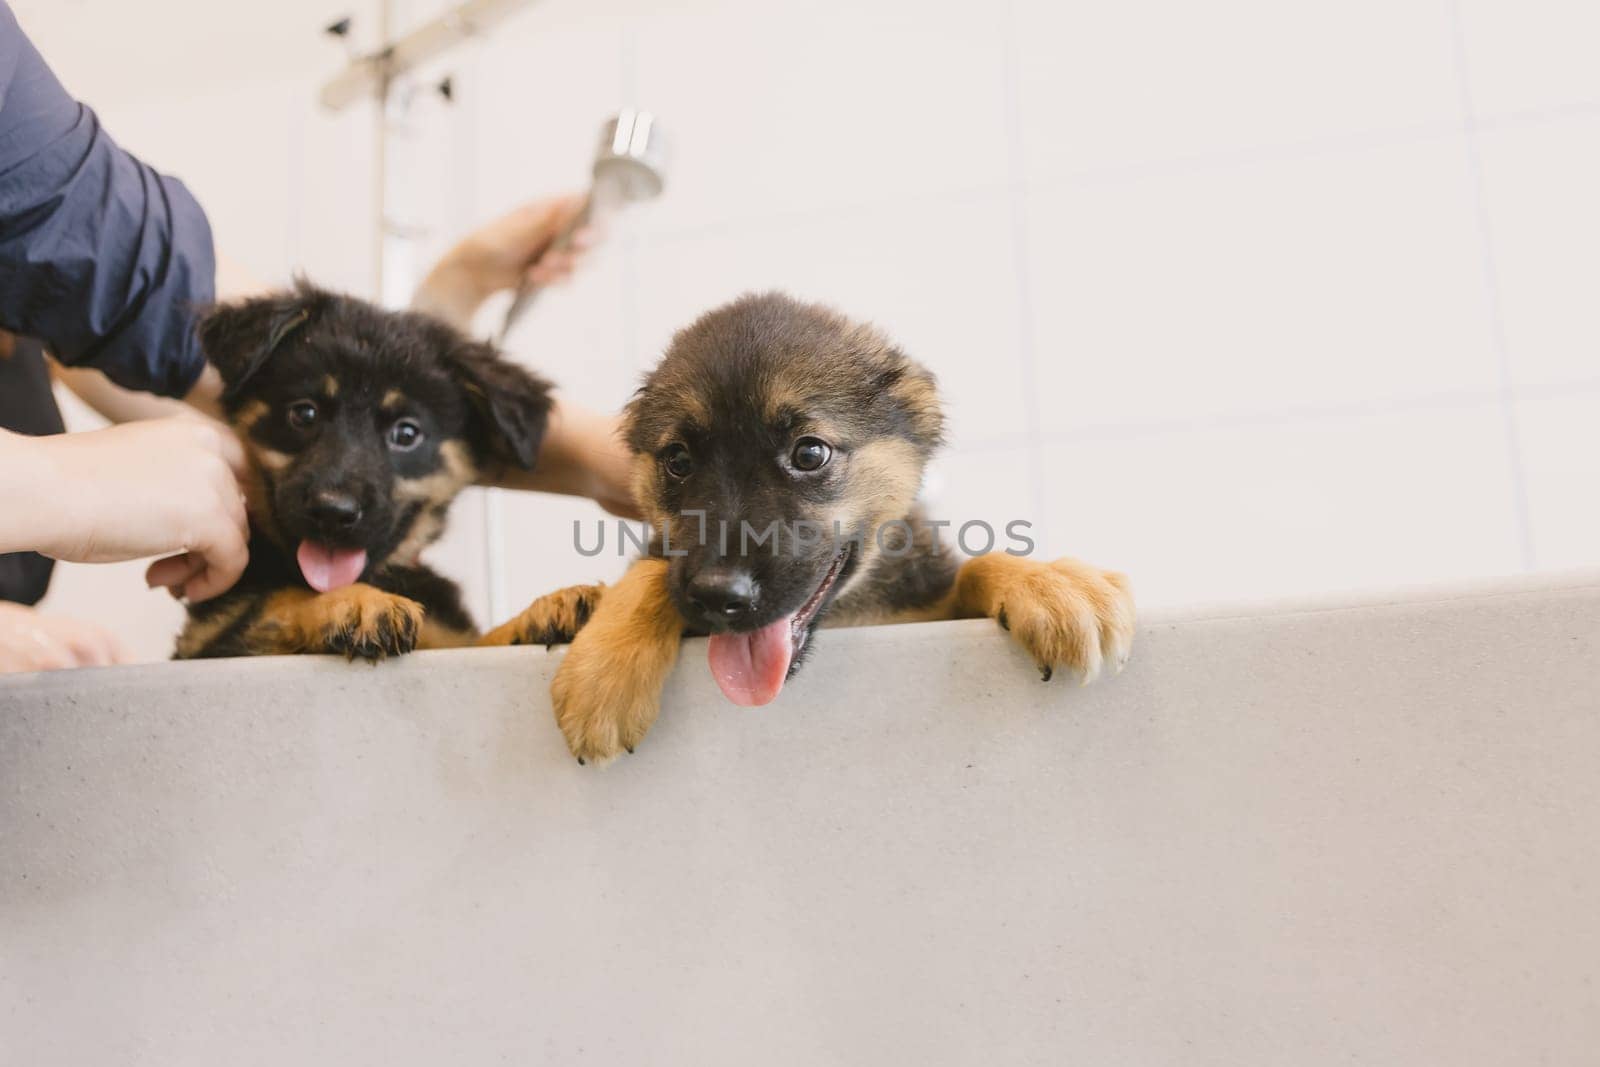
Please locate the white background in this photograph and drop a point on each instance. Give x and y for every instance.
(1245, 298)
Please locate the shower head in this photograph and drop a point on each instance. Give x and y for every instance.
(629, 167)
(632, 156)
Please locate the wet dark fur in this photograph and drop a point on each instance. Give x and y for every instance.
(365, 369)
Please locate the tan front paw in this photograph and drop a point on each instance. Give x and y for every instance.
(553, 619)
(604, 704)
(360, 621)
(1065, 613)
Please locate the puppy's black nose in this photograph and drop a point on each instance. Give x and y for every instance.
(332, 508)
(722, 594)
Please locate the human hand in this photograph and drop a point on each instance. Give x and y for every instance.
(519, 246)
(32, 641)
(142, 489)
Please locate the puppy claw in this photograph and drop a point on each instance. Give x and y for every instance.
(553, 619)
(582, 762)
(360, 622)
(1064, 613)
(607, 691)
(602, 708)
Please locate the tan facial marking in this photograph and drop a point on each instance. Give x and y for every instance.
(783, 397)
(393, 400)
(643, 482)
(330, 386)
(250, 414)
(442, 485)
(689, 405)
(270, 459)
(886, 474)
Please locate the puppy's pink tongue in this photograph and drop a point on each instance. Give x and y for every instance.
(751, 667)
(328, 568)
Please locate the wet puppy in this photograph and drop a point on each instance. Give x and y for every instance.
(363, 425)
(779, 450)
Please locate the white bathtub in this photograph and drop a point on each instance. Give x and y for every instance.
(1295, 835)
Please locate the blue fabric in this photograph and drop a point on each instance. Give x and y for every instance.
(26, 406)
(101, 258)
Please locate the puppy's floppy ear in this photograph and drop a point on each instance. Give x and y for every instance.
(239, 338)
(511, 404)
(914, 393)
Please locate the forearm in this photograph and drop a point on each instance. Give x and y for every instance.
(112, 401)
(582, 455)
(451, 293)
(516, 249)
(30, 507)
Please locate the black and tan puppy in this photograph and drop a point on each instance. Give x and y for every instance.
(363, 425)
(780, 447)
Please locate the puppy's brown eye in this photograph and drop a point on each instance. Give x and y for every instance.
(810, 454)
(302, 414)
(677, 461)
(405, 435)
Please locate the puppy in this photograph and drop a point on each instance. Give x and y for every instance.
(779, 450)
(363, 425)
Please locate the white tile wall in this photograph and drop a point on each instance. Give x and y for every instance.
(1561, 447)
(223, 97)
(1340, 278)
(1298, 505)
(935, 273)
(1248, 298)
(1531, 55)
(1539, 186)
(802, 109)
(1158, 82)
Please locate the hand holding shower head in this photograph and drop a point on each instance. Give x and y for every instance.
(629, 167)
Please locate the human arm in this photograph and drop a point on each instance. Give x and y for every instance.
(101, 257)
(165, 487)
(582, 453)
(502, 254)
(32, 640)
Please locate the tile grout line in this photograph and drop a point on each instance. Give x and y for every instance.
(1017, 203)
(1491, 284)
